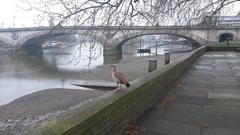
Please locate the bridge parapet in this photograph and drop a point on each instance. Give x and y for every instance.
(114, 35)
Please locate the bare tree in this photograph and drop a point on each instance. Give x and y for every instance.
(127, 12)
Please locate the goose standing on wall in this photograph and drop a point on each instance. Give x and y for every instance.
(119, 78)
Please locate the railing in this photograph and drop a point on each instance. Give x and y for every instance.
(118, 28)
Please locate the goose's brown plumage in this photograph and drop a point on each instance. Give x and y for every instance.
(118, 77)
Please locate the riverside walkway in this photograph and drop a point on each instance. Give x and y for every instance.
(205, 100)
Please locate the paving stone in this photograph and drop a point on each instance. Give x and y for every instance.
(198, 84)
(237, 74)
(203, 67)
(184, 107)
(225, 85)
(225, 121)
(201, 89)
(192, 93)
(192, 100)
(224, 90)
(200, 74)
(166, 127)
(147, 132)
(189, 117)
(220, 131)
(223, 70)
(226, 102)
(203, 62)
(207, 72)
(222, 110)
(226, 79)
(207, 100)
(223, 95)
(198, 80)
(236, 66)
(221, 73)
(151, 114)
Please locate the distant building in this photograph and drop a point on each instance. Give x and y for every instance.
(212, 21)
(238, 14)
(222, 21)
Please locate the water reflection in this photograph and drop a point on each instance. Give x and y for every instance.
(155, 46)
(22, 74)
(75, 57)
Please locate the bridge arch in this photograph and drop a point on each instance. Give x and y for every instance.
(5, 41)
(225, 36)
(194, 42)
(41, 37)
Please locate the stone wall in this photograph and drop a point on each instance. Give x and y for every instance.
(110, 114)
(223, 48)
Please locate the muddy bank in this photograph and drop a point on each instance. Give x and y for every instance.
(36, 108)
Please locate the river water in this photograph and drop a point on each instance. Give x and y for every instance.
(24, 74)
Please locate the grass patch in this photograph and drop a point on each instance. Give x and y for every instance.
(225, 44)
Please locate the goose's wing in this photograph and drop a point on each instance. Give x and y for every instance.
(121, 77)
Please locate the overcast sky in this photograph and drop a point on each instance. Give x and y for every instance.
(12, 16)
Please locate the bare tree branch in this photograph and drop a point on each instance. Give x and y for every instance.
(125, 12)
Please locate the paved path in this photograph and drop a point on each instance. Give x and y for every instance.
(204, 101)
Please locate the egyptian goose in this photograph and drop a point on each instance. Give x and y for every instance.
(119, 78)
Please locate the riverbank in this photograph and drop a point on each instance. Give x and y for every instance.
(36, 108)
(39, 107)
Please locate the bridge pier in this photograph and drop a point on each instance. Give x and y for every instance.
(112, 54)
(32, 49)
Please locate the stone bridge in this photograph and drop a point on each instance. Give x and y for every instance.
(113, 36)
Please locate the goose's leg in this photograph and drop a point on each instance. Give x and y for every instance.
(120, 87)
(116, 89)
